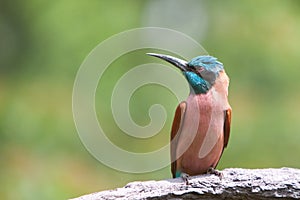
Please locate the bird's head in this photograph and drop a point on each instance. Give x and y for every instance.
(201, 72)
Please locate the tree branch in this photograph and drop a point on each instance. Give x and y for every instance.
(236, 184)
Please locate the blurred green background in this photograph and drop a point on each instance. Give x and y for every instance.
(42, 44)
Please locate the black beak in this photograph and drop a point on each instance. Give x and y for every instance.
(181, 64)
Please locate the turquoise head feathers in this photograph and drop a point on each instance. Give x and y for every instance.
(201, 72)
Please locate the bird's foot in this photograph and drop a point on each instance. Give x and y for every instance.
(185, 178)
(212, 170)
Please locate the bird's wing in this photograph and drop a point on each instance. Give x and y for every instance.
(176, 127)
(227, 123)
(226, 130)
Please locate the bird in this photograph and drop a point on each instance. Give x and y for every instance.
(201, 125)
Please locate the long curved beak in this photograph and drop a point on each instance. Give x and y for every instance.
(181, 64)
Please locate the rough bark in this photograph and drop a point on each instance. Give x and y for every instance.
(236, 184)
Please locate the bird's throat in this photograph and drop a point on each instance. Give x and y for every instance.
(197, 84)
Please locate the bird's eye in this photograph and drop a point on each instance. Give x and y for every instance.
(192, 67)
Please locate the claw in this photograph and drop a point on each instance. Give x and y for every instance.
(212, 170)
(185, 178)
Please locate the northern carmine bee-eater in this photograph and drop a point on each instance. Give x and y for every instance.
(201, 125)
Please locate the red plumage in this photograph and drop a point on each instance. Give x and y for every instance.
(200, 129)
